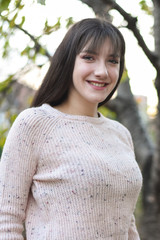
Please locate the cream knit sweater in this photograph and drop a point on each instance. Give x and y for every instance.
(68, 177)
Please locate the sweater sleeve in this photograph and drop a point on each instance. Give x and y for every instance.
(133, 233)
(17, 167)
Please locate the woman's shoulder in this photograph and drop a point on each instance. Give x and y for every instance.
(118, 127)
(36, 114)
(115, 124)
(34, 118)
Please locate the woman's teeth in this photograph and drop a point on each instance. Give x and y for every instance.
(98, 84)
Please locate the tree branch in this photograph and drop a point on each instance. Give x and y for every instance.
(100, 8)
(132, 25)
(37, 45)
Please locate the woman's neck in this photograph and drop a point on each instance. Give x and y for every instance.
(77, 109)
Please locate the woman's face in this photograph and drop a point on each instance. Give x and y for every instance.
(95, 74)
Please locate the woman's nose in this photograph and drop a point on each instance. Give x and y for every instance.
(101, 71)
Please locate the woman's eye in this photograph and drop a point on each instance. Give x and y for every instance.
(114, 61)
(88, 58)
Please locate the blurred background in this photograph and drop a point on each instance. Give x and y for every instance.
(31, 30)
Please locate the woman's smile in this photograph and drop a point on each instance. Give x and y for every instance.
(97, 85)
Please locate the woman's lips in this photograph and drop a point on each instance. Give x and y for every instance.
(97, 85)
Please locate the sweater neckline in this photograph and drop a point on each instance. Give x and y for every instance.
(84, 118)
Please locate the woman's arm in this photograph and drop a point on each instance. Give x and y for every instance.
(133, 233)
(17, 167)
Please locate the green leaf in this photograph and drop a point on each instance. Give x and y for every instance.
(69, 22)
(0, 149)
(43, 2)
(58, 24)
(5, 49)
(26, 51)
(30, 52)
(2, 142)
(17, 4)
(12, 22)
(49, 29)
(4, 85)
(21, 6)
(4, 130)
(1, 29)
(107, 112)
(145, 7)
(42, 51)
(124, 76)
(22, 21)
(12, 118)
(4, 5)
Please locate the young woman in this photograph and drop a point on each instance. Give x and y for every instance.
(67, 171)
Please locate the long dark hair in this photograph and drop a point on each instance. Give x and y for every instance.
(58, 80)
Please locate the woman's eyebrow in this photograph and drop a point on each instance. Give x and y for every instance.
(113, 55)
(89, 51)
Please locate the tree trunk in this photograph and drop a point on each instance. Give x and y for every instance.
(156, 173)
(157, 85)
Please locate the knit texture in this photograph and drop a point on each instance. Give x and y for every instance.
(68, 177)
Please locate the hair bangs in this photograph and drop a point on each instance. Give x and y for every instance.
(94, 40)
